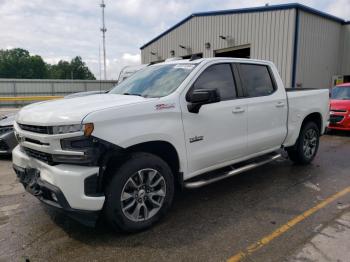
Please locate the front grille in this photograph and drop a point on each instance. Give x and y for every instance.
(42, 156)
(36, 129)
(336, 119)
(33, 141)
(3, 145)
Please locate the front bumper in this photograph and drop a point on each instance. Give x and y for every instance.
(343, 124)
(66, 182)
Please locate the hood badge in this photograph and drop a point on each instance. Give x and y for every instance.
(165, 106)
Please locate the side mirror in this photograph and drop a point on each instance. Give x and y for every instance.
(201, 97)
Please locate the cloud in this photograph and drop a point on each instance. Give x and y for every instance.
(55, 60)
(63, 29)
(135, 59)
(340, 8)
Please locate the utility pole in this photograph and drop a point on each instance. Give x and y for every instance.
(103, 30)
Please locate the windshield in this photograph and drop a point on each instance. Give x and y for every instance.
(154, 81)
(341, 93)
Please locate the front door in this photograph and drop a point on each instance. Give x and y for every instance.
(218, 132)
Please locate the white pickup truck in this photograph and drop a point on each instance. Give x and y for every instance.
(177, 124)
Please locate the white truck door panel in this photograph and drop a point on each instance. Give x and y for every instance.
(218, 132)
(267, 108)
(266, 123)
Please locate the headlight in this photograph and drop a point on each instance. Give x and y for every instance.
(64, 129)
(5, 129)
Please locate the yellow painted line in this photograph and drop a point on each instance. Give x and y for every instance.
(28, 98)
(279, 231)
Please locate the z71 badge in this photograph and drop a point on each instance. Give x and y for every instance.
(196, 139)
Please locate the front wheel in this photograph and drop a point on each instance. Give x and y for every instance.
(139, 193)
(305, 149)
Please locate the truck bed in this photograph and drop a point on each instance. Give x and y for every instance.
(303, 102)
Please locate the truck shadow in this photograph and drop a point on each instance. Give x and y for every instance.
(6, 157)
(338, 133)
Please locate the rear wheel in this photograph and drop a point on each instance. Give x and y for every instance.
(305, 149)
(139, 193)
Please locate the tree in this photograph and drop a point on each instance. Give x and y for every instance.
(60, 71)
(80, 69)
(75, 69)
(18, 63)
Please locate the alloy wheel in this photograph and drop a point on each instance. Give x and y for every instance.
(143, 195)
(310, 143)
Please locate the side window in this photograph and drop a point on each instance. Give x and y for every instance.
(256, 80)
(220, 77)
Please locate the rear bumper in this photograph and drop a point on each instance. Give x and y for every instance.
(66, 182)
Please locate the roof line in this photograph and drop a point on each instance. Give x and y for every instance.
(250, 10)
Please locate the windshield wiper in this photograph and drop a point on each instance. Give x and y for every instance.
(131, 94)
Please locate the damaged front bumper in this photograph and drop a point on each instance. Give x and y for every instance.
(63, 186)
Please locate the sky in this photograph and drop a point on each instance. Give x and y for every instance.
(63, 29)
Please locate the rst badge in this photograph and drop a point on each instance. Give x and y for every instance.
(165, 106)
(196, 139)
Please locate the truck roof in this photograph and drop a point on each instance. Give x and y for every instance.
(200, 60)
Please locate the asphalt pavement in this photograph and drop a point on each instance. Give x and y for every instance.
(272, 213)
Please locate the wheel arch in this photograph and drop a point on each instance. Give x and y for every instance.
(315, 117)
(163, 149)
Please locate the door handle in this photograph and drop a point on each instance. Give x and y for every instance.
(238, 110)
(280, 104)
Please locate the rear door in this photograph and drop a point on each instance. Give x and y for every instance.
(218, 132)
(267, 108)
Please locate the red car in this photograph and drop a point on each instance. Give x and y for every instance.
(340, 107)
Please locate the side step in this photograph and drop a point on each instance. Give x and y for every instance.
(236, 171)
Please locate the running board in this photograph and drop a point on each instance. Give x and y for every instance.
(204, 182)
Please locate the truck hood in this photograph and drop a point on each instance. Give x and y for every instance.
(71, 111)
(340, 104)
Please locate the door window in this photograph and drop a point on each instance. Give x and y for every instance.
(256, 80)
(217, 76)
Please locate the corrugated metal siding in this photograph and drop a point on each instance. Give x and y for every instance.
(318, 57)
(270, 35)
(345, 55)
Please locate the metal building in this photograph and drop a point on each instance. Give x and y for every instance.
(310, 48)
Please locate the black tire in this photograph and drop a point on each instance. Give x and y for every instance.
(297, 153)
(114, 204)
